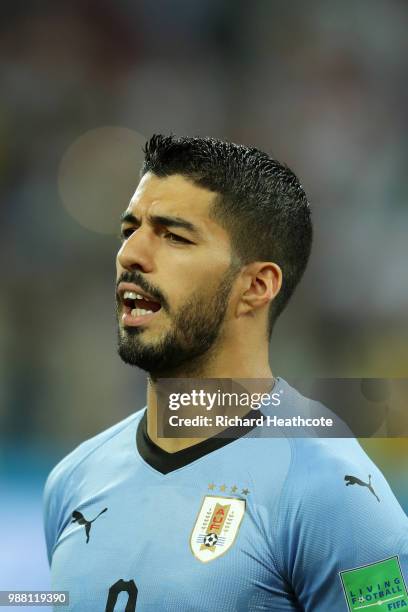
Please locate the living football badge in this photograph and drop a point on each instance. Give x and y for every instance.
(376, 584)
(216, 526)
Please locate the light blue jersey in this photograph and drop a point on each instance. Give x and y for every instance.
(254, 523)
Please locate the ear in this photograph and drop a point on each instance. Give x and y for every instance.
(262, 282)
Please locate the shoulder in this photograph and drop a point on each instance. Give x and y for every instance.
(316, 459)
(323, 460)
(88, 450)
(61, 485)
(335, 478)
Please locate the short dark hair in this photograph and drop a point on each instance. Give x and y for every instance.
(260, 202)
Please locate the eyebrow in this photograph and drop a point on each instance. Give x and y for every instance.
(127, 217)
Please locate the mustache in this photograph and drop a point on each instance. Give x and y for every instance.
(138, 279)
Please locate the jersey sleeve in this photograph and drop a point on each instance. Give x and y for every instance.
(345, 536)
(58, 494)
(51, 506)
(63, 481)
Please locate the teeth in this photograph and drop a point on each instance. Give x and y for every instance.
(140, 312)
(130, 295)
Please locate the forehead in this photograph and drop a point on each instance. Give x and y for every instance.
(173, 195)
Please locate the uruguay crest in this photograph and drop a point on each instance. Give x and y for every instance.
(216, 526)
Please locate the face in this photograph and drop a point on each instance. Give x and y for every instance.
(174, 276)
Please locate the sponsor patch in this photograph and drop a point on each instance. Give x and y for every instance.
(378, 584)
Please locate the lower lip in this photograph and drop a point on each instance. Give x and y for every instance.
(129, 321)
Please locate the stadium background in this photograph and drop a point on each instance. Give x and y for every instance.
(320, 85)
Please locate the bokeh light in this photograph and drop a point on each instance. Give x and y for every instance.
(98, 174)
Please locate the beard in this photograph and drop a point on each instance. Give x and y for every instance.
(196, 328)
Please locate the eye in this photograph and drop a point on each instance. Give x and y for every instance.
(125, 233)
(176, 238)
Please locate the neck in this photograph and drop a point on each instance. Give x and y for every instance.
(236, 362)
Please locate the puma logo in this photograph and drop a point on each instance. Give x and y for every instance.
(79, 518)
(351, 480)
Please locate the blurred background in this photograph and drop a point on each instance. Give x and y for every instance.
(320, 85)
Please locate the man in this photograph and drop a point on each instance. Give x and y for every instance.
(214, 242)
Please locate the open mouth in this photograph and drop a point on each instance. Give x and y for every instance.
(138, 307)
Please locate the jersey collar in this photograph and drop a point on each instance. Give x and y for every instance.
(165, 462)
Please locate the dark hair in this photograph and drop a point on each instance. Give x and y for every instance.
(260, 202)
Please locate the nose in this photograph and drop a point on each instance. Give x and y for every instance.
(136, 253)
